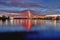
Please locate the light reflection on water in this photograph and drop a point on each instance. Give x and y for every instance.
(29, 25)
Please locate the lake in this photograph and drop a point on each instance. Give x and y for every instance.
(35, 29)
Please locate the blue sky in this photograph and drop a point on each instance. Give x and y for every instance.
(43, 6)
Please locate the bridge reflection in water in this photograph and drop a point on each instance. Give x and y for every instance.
(28, 23)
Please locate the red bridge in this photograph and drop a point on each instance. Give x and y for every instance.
(27, 14)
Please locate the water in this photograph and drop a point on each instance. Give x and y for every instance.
(43, 28)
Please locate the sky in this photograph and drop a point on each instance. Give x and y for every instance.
(40, 6)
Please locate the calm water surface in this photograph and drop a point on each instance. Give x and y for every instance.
(44, 28)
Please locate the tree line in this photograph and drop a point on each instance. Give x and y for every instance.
(4, 18)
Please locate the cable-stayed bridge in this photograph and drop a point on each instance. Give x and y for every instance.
(28, 15)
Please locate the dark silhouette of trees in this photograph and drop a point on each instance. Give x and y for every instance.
(3, 18)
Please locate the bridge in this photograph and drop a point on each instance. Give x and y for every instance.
(28, 15)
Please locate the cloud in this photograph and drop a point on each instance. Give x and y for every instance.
(18, 3)
(42, 6)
